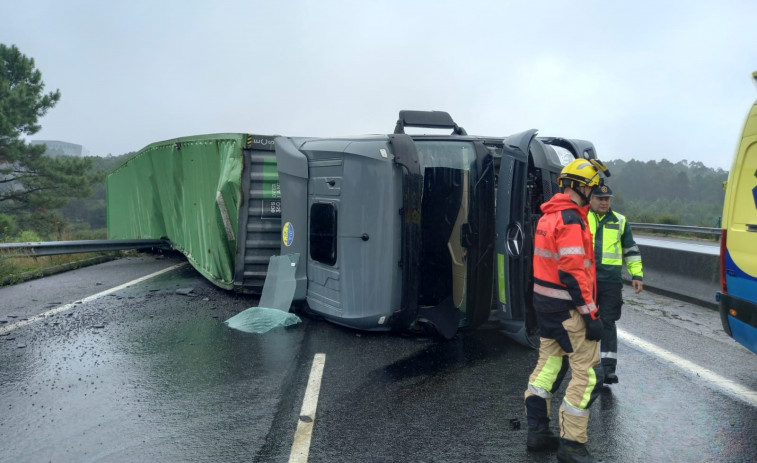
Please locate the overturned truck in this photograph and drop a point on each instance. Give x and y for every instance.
(428, 233)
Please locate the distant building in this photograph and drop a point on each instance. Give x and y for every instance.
(61, 148)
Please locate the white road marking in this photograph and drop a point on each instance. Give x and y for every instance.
(714, 380)
(65, 307)
(301, 444)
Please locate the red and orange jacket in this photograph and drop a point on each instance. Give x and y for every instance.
(564, 271)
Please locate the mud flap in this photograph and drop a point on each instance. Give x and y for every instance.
(443, 319)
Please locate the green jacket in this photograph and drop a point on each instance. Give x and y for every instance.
(613, 243)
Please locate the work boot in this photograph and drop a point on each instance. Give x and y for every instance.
(541, 438)
(539, 435)
(611, 378)
(573, 452)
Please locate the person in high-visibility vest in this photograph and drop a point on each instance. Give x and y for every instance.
(569, 323)
(613, 244)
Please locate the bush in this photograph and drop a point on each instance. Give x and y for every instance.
(27, 236)
(8, 227)
(668, 219)
(84, 233)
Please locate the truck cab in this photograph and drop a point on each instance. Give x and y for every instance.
(423, 233)
(427, 233)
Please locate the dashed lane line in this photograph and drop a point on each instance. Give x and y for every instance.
(63, 308)
(732, 388)
(301, 444)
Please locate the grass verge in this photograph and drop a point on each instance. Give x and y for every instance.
(14, 270)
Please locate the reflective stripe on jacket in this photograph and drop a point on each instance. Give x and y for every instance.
(613, 243)
(564, 275)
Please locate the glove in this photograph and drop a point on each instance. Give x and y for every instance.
(593, 328)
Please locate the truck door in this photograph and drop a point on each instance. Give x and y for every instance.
(514, 240)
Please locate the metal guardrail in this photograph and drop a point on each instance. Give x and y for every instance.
(50, 248)
(676, 228)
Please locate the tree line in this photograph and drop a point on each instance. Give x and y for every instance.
(57, 213)
(684, 193)
(45, 198)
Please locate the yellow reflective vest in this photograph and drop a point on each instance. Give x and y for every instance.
(614, 243)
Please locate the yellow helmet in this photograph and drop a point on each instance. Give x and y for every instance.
(584, 172)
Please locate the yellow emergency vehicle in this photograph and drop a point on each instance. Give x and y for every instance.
(738, 244)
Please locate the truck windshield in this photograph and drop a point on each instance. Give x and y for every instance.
(448, 169)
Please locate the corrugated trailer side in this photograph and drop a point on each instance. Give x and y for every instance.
(259, 214)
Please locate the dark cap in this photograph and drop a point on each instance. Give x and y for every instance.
(602, 191)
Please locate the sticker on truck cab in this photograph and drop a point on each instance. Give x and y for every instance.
(287, 234)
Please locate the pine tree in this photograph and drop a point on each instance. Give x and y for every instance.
(30, 181)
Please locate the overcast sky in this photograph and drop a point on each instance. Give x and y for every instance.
(641, 80)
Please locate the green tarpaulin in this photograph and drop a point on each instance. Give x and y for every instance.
(187, 190)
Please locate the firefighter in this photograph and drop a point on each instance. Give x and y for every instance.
(569, 324)
(613, 244)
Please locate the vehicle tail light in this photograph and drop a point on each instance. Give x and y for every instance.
(723, 251)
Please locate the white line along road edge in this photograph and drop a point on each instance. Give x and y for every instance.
(301, 444)
(65, 307)
(732, 388)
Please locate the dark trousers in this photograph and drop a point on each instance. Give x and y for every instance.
(609, 302)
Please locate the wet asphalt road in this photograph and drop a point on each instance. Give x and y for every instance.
(149, 374)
